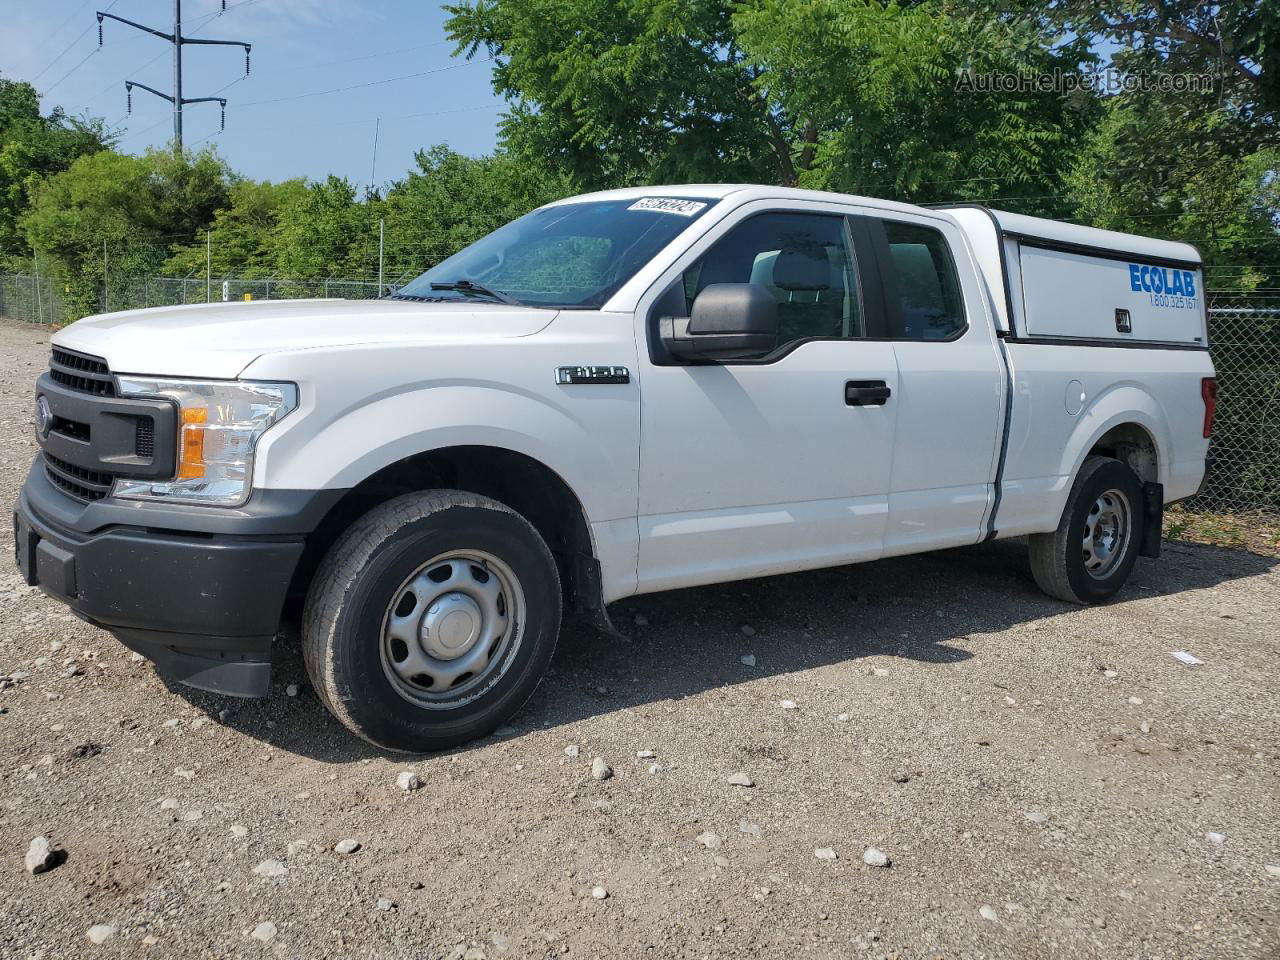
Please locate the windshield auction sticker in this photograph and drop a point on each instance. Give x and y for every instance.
(683, 208)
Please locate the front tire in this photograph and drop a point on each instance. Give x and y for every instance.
(431, 620)
(1091, 554)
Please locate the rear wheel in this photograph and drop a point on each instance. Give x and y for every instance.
(431, 620)
(1091, 554)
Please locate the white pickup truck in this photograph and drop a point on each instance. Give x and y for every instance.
(616, 394)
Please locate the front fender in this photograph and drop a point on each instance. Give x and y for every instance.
(363, 410)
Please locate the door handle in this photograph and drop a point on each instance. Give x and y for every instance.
(866, 393)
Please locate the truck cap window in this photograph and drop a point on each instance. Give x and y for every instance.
(575, 255)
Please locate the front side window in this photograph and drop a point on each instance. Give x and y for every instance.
(803, 259)
(927, 288)
(575, 255)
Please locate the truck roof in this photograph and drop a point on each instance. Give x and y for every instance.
(1013, 223)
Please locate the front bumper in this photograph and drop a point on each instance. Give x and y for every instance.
(204, 605)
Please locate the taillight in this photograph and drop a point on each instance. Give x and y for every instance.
(1209, 392)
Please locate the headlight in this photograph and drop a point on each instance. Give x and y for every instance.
(219, 423)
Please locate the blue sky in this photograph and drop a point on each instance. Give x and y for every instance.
(301, 48)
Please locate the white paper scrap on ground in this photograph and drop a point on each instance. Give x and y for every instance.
(1183, 657)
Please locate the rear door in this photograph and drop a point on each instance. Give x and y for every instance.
(767, 464)
(951, 384)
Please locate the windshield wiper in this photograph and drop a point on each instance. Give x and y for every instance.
(410, 296)
(466, 286)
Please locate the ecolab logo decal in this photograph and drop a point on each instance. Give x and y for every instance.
(1164, 287)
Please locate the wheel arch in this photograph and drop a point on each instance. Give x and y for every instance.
(1126, 423)
(525, 484)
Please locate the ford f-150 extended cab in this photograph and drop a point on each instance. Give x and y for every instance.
(616, 394)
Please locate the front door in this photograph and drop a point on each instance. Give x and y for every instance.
(779, 462)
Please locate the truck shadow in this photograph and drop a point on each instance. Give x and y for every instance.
(684, 642)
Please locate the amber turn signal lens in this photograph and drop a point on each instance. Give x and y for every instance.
(191, 442)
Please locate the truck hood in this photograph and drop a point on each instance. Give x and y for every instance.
(219, 340)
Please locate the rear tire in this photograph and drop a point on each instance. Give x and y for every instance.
(431, 620)
(1089, 557)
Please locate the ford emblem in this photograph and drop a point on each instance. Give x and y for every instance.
(44, 417)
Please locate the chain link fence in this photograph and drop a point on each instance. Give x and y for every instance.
(1244, 332)
(1244, 456)
(43, 299)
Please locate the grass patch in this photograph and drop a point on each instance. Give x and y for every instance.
(1250, 531)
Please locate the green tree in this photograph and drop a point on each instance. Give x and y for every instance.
(452, 200)
(626, 91)
(895, 100)
(138, 207)
(34, 147)
(324, 231)
(1190, 150)
(246, 234)
(843, 94)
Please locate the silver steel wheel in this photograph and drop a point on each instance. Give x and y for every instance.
(452, 628)
(1107, 530)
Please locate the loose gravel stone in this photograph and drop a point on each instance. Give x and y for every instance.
(1217, 839)
(600, 770)
(825, 853)
(988, 912)
(238, 831)
(740, 779)
(1274, 869)
(40, 856)
(571, 750)
(748, 630)
(385, 905)
(291, 690)
(271, 868)
(265, 931)
(710, 840)
(599, 893)
(100, 933)
(750, 829)
(408, 781)
(748, 659)
(346, 846)
(873, 857)
(788, 705)
(1035, 816)
(645, 754)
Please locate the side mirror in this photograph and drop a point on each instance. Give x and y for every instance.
(728, 320)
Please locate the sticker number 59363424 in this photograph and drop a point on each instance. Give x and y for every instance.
(683, 208)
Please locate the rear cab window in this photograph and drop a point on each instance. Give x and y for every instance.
(922, 289)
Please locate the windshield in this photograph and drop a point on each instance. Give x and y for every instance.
(574, 255)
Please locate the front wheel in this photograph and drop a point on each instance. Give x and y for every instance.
(431, 620)
(1091, 554)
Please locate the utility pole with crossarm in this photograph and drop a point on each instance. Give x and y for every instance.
(179, 41)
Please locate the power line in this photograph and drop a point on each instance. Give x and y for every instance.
(67, 48)
(361, 86)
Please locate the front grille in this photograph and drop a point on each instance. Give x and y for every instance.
(82, 373)
(80, 483)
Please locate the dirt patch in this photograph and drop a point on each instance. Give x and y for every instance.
(1045, 780)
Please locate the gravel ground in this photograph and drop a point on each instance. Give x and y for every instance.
(1045, 781)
